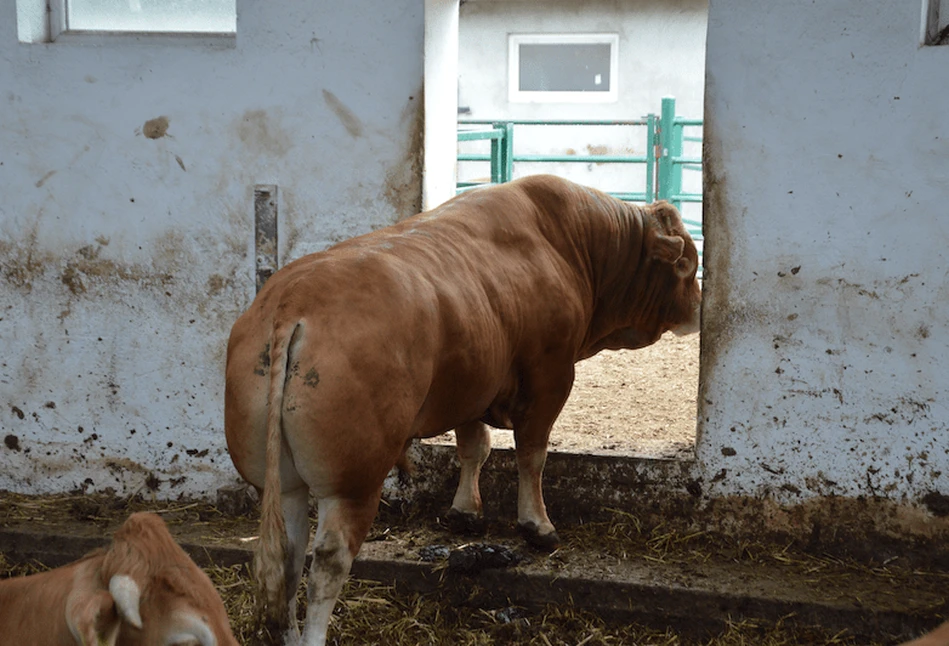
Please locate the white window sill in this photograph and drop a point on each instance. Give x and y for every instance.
(215, 40)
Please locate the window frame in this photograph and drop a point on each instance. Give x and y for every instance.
(58, 29)
(516, 95)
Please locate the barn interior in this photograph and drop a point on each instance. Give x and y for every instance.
(780, 479)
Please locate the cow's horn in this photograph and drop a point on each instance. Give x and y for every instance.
(188, 626)
(127, 595)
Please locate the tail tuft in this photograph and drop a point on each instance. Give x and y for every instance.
(269, 567)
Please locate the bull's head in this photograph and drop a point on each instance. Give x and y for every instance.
(658, 291)
(671, 245)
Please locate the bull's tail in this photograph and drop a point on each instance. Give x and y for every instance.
(270, 558)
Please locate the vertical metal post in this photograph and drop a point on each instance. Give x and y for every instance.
(507, 152)
(651, 148)
(496, 156)
(676, 154)
(665, 178)
(265, 232)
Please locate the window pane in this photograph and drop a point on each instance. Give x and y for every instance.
(564, 68)
(152, 15)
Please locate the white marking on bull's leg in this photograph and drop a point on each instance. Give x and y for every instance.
(550, 386)
(340, 531)
(296, 515)
(530, 495)
(328, 572)
(474, 446)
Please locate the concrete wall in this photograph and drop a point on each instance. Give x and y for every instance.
(661, 53)
(127, 248)
(124, 259)
(825, 334)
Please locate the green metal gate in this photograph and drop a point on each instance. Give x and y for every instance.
(665, 138)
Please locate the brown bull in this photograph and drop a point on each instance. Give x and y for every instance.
(938, 637)
(473, 312)
(141, 591)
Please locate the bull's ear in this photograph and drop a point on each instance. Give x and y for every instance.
(667, 249)
(667, 214)
(684, 267)
(91, 617)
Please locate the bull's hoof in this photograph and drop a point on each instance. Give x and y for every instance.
(544, 542)
(465, 523)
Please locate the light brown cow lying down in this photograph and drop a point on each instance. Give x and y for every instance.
(142, 590)
(473, 312)
(938, 637)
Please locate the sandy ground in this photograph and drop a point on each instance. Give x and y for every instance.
(629, 402)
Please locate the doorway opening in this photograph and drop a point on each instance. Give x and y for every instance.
(614, 64)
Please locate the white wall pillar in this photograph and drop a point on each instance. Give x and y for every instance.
(441, 101)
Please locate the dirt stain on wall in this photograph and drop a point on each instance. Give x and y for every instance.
(403, 187)
(156, 128)
(718, 318)
(346, 116)
(261, 133)
(42, 180)
(21, 262)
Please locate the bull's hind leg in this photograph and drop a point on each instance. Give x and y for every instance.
(474, 447)
(340, 532)
(296, 515)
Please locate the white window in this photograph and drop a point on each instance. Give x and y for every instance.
(210, 17)
(562, 68)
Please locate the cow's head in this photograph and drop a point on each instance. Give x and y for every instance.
(657, 291)
(145, 590)
(668, 244)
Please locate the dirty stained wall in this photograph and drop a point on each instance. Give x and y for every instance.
(127, 170)
(127, 174)
(825, 335)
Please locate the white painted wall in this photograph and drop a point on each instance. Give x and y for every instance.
(124, 260)
(661, 53)
(825, 334)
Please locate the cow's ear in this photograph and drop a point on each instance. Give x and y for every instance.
(667, 214)
(667, 249)
(91, 617)
(684, 267)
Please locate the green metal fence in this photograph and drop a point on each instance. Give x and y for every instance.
(502, 156)
(665, 140)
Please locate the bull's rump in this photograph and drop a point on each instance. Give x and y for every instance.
(348, 380)
(408, 331)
